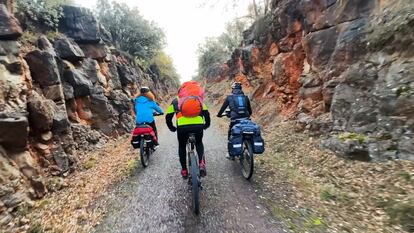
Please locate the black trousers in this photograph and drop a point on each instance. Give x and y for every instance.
(154, 127)
(183, 135)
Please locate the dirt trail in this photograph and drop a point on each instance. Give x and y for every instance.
(157, 199)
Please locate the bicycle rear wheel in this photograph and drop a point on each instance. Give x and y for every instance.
(246, 160)
(195, 183)
(144, 153)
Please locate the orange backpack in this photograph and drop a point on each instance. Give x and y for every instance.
(190, 99)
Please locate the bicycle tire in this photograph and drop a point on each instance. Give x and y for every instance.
(195, 183)
(143, 153)
(247, 151)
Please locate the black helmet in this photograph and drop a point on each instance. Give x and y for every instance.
(236, 85)
(144, 90)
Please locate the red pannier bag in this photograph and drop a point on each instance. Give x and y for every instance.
(142, 130)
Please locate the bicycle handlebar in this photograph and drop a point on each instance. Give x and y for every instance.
(226, 114)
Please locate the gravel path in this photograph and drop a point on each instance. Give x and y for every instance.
(157, 199)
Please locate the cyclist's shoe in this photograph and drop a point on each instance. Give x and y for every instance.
(229, 157)
(184, 173)
(203, 171)
(156, 147)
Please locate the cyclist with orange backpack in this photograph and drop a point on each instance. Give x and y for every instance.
(192, 117)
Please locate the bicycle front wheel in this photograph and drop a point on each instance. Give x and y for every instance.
(144, 153)
(195, 183)
(246, 160)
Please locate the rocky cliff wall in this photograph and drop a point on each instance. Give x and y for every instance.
(58, 98)
(340, 68)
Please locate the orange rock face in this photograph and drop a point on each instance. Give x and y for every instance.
(302, 43)
(334, 66)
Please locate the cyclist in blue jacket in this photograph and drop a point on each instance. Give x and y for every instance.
(144, 109)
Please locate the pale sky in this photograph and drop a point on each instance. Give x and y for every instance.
(186, 23)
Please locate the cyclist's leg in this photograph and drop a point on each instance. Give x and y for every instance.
(199, 143)
(230, 126)
(154, 127)
(182, 136)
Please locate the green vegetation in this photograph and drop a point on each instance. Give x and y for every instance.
(28, 37)
(165, 66)
(212, 53)
(131, 166)
(327, 195)
(40, 12)
(142, 39)
(216, 50)
(42, 203)
(404, 91)
(23, 210)
(130, 31)
(256, 8)
(305, 221)
(352, 136)
(36, 228)
(400, 212)
(90, 163)
(405, 175)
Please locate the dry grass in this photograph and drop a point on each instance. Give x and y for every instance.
(76, 208)
(349, 196)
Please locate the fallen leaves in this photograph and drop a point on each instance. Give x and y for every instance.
(79, 207)
(346, 194)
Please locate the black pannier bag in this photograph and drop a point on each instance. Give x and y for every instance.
(235, 146)
(258, 144)
(135, 141)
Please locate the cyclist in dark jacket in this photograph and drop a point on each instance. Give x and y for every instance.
(238, 103)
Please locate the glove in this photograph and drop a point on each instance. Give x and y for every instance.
(173, 128)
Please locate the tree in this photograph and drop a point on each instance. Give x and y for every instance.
(130, 31)
(255, 9)
(216, 50)
(41, 12)
(233, 34)
(166, 67)
(211, 53)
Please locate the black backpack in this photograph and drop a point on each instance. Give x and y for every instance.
(239, 105)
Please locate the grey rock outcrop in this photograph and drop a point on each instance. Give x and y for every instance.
(80, 24)
(62, 98)
(9, 26)
(67, 49)
(43, 68)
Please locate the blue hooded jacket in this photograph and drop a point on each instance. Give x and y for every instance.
(144, 109)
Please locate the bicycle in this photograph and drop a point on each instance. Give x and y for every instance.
(246, 158)
(194, 173)
(146, 147)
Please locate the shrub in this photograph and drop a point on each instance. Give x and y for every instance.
(130, 31)
(44, 13)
